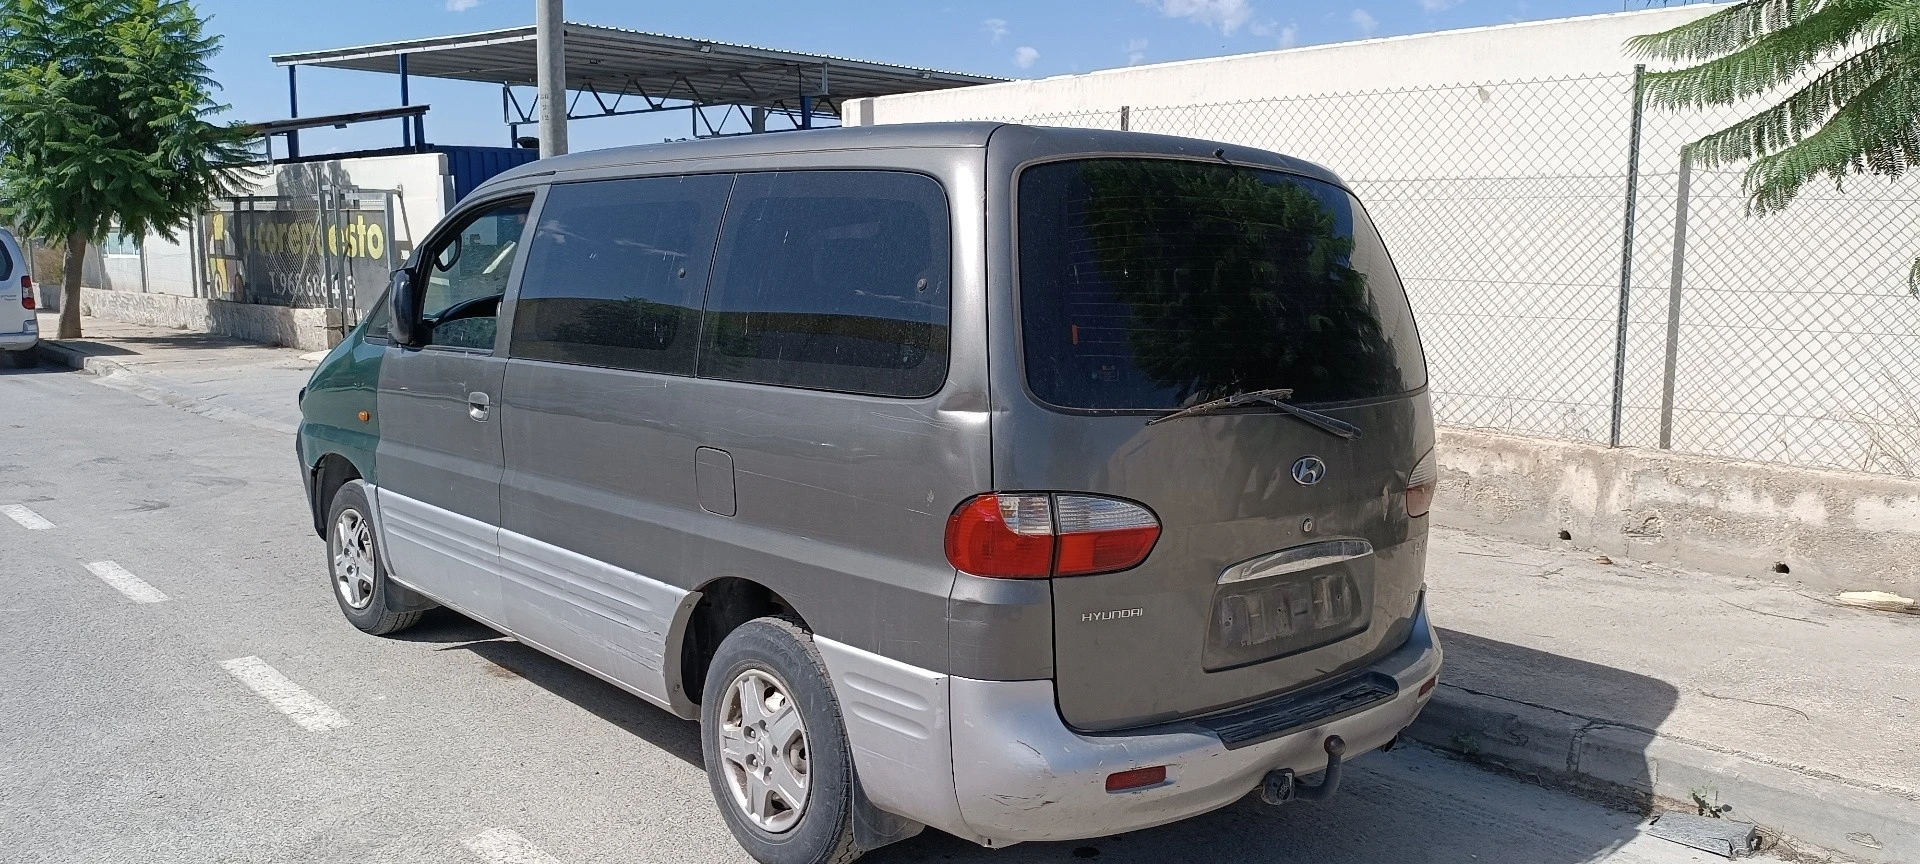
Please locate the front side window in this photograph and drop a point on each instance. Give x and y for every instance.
(378, 319)
(466, 273)
(1154, 284)
(832, 280)
(616, 272)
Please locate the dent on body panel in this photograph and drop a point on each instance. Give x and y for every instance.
(1000, 629)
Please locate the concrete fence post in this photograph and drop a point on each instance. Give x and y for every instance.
(1626, 257)
(1682, 205)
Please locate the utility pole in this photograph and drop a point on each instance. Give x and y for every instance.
(550, 45)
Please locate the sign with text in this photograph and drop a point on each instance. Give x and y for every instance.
(293, 251)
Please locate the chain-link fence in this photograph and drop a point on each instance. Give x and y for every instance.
(1574, 278)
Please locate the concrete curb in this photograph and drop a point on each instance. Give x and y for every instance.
(123, 377)
(1862, 822)
(73, 358)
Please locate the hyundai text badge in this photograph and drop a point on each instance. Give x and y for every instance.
(1309, 470)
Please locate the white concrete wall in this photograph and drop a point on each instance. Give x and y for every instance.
(1531, 50)
(306, 329)
(1833, 531)
(426, 189)
(1495, 161)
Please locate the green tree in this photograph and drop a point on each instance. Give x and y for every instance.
(1843, 77)
(104, 121)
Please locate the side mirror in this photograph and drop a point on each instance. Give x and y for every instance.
(404, 325)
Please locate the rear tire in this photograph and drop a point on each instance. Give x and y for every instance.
(770, 733)
(357, 569)
(23, 359)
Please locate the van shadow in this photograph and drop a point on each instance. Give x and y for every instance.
(1413, 804)
(42, 368)
(456, 632)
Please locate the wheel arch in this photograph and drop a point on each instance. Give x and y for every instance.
(704, 617)
(330, 472)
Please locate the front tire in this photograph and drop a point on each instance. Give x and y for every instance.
(358, 569)
(776, 752)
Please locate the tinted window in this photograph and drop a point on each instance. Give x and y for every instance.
(6, 263)
(832, 280)
(1151, 284)
(467, 273)
(616, 272)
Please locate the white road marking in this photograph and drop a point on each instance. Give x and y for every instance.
(126, 583)
(312, 714)
(506, 846)
(27, 518)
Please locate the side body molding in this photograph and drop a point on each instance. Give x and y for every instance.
(618, 625)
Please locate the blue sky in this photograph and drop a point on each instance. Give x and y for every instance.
(1008, 38)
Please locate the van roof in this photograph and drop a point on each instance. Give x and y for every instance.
(956, 134)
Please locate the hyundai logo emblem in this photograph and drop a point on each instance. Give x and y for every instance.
(1309, 470)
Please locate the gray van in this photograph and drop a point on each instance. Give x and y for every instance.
(1029, 484)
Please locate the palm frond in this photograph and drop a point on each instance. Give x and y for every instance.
(1800, 112)
(1899, 20)
(1723, 32)
(1877, 131)
(1765, 63)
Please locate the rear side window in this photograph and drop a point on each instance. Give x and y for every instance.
(1156, 284)
(832, 280)
(616, 273)
(6, 264)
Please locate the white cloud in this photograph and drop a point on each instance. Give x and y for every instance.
(1364, 21)
(996, 27)
(1225, 16)
(1136, 51)
(1432, 6)
(1024, 56)
(461, 5)
(1289, 35)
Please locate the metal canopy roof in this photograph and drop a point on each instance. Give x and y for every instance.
(611, 61)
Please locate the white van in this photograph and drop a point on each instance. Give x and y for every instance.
(19, 331)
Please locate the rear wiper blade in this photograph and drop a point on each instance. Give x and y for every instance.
(1273, 398)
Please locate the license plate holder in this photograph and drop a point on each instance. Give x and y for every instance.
(1264, 619)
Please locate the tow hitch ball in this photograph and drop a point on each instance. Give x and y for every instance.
(1279, 786)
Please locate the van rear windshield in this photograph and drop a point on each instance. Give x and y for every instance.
(1152, 284)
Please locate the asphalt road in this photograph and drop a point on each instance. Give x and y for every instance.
(171, 547)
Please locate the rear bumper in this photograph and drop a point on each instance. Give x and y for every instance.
(1020, 774)
(18, 341)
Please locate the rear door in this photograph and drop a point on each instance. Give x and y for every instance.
(1287, 555)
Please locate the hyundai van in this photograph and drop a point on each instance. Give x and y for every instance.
(1023, 483)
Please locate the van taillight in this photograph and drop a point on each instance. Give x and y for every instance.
(1036, 535)
(1420, 486)
(26, 292)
